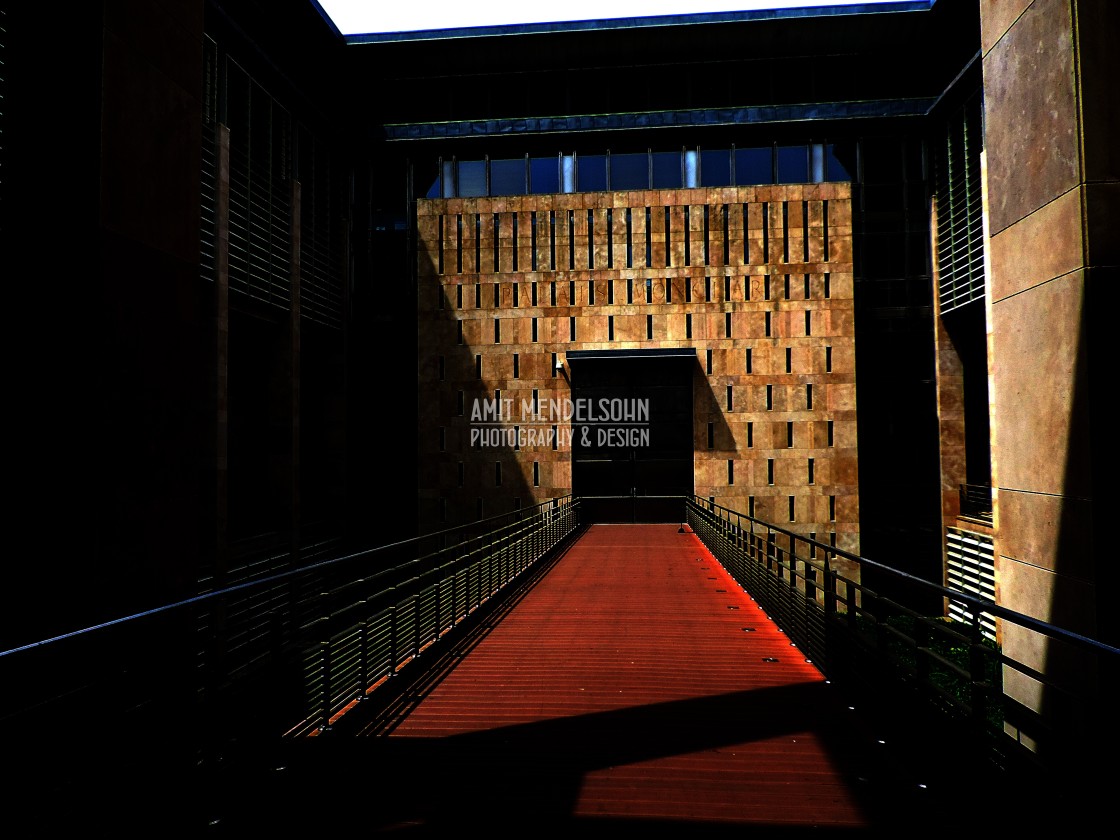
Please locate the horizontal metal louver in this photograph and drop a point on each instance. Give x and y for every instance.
(259, 193)
(208, 232)
(960, 227)
(324, 194)
(971, 568)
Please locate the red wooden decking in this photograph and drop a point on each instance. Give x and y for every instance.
(630, 684)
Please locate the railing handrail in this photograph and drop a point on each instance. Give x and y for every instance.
(981, 604)
(288, 573)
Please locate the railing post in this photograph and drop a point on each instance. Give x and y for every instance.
(363, 659)
(325, 697)
(393, 639)
(977, 668)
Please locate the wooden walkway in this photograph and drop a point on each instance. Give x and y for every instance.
(635, 685)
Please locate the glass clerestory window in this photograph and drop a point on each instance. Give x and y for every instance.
(736, 166)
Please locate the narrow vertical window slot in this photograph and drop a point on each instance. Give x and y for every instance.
(687, 235)
(533, 292)
(610, 238)
(571, 240)
(534, 330)
(516, 366)
(828, 360)
(750, 506)
(571, 329)
(707, 235)
(668, 290)
(687, 289)
(555, 438)
(668, 238)
(649, 290)
(610, 328)
(730, 471)
(750, 435)
(827, 285)
(727, 289)
(590, 292)
(789, 360)
(805, 230)
(711, 435)
(536, 474)
(458, 243)
(552, 293)
(792, 509)
(766, 233)
(610, 292)
(649, 238)
(533, 240)
(707, 289)
(785, 231)
(477, 295)
(497, 331)
(832, 509)
(497, 295)
(808, 322)
(708, 362)
(459, 297)
(553, 368)
(730, 398)
(810, 471)
(439, 246)
(789, 434)
(497, 221)
(769, 470)
(831, 433)
(590, 238)
(649, 327)
(477, 365)
(514, 241)
(571, 293)
(746, 236)
(688, 326)
(809, 397)
(726, 236)
(551, 240)
(459, 327)
(766, 287)
(767, 323)
(769, 397)
(727, 324)
(516, 294)
(749, 361)
(824, 229)
(629, 237)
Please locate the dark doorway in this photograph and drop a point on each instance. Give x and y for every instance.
(632, 433)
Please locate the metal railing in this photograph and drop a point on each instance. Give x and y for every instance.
(815, 594)
(288, 651)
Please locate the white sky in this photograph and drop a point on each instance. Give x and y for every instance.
(359, 17)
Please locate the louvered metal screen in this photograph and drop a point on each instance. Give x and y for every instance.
(971, 569)
(207, 262)
(960, 227)
(324, 185)
(259, 191)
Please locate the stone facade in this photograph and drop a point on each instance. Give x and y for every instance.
(758, 280)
